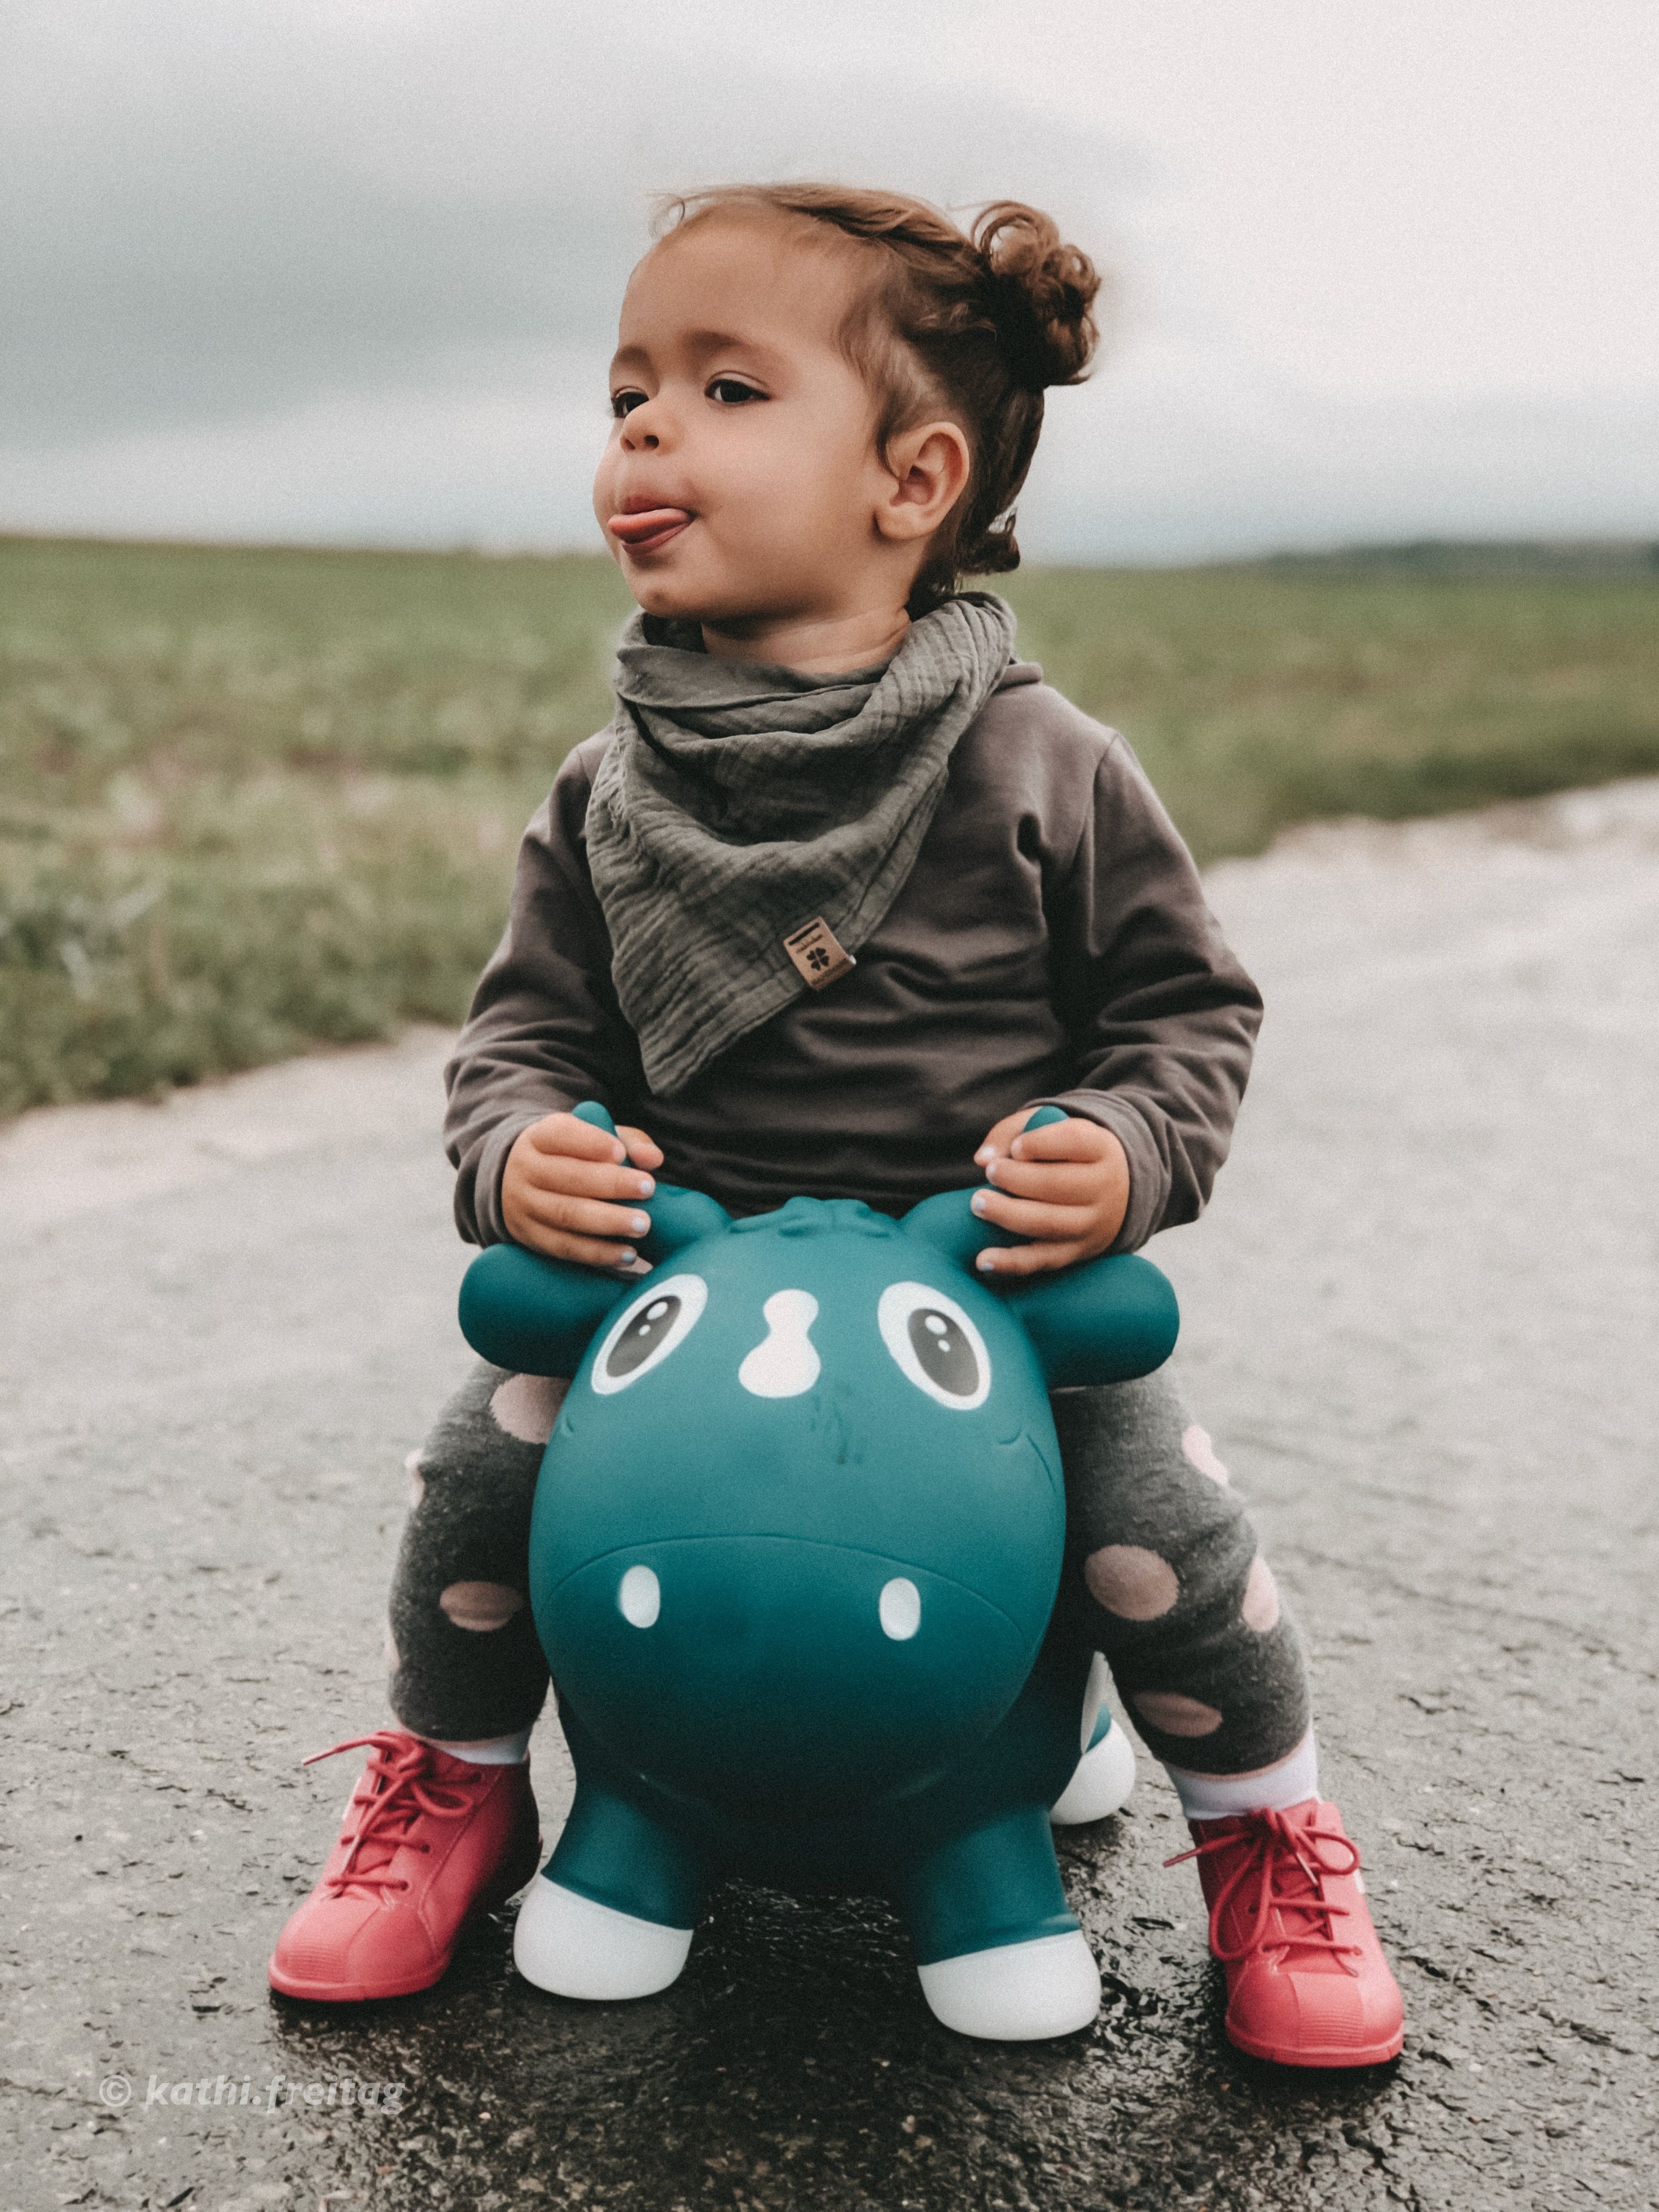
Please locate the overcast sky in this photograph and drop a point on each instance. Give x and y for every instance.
(348, 269)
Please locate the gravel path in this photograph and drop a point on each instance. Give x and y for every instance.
(1421, 1323)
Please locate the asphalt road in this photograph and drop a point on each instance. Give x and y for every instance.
(1421, 1322)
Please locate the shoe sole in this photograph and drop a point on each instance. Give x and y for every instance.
(1378, 2054)
(323, 1993)
(320, 1993)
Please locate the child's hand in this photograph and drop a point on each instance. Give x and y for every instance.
(1066, 1186)
(565, 1189)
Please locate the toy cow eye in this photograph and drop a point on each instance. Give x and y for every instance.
(935, 1344)
(656, 1323)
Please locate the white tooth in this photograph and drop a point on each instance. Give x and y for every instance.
(900, 1608)
(639, 1597)
(784, 1363)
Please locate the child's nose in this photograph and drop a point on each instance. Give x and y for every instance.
(645, 429)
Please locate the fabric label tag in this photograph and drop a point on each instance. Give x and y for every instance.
(818, 953)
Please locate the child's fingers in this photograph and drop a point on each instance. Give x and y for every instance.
(641, 1149)
(584, 1217)
(1072, 1140)
(1000, 1135)
(1028, 1259)
(1026, 1218)
(585, 1251)
(563, 1134)
(1054, 1183)
(554, 1172)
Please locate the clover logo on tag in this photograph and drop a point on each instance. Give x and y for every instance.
(817, 953)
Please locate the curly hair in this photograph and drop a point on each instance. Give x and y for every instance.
(974, 323)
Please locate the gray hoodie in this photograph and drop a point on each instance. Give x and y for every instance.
(1051, 944)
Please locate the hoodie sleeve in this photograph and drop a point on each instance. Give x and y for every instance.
(1162, 1018)
(544, 1031)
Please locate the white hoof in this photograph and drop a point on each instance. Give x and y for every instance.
(1100, 1784)
(1018, 1993)
(565, 1942)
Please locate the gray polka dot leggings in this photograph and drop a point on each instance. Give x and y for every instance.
(1163, 1573)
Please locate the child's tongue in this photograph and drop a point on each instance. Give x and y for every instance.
(652, 522)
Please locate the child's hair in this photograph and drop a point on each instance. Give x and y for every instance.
(977, 323)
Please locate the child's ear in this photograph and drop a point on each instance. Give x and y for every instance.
(928, 467)
(1105, 1323)
(533, 1315)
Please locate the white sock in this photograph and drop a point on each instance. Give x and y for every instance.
(499, 1751)
(1273, 1789)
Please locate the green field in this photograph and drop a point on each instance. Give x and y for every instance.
(255, 799)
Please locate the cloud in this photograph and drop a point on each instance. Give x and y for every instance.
(348, 269)
(234, 230)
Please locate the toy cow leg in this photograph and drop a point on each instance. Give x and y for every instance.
(998, 1952)
(612, 1913)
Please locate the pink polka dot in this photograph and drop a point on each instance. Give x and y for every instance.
(526, 1406)
(1195, 1442)
(1260, 1604)
(481, 1607)
(1131, 1582)
(1168, 1711)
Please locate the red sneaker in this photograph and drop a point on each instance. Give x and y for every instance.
(428, 1841)
(1307, 1982)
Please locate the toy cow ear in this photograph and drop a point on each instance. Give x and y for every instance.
(948, 1222)
(533, 1315)
(1114, 1319)
(1105, 1323)
(679, 1217)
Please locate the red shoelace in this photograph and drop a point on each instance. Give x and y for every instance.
(1283, 1857)
(399, 1773)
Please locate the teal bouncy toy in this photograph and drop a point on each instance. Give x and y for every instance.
(794, 1561)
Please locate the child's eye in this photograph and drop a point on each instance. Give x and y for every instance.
(730, 392)
(624, 403)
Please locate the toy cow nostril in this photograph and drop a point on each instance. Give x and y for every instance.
(899, 1608)
(785, 1362)
(639, 1597)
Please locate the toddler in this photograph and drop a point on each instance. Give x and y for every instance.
(842, 894)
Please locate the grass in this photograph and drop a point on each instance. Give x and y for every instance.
(252, 800)
(1258, 698)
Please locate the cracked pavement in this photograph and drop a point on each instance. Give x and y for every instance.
(1421, 1322)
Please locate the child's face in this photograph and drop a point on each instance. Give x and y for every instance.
(741, 481)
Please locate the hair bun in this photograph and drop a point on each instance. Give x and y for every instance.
(1039, 293)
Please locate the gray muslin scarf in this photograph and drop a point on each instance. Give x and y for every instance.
(737, 802)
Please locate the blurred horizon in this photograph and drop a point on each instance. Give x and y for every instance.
(346, 271)
(1465, 557)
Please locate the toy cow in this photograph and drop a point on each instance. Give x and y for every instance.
(795, 1556)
